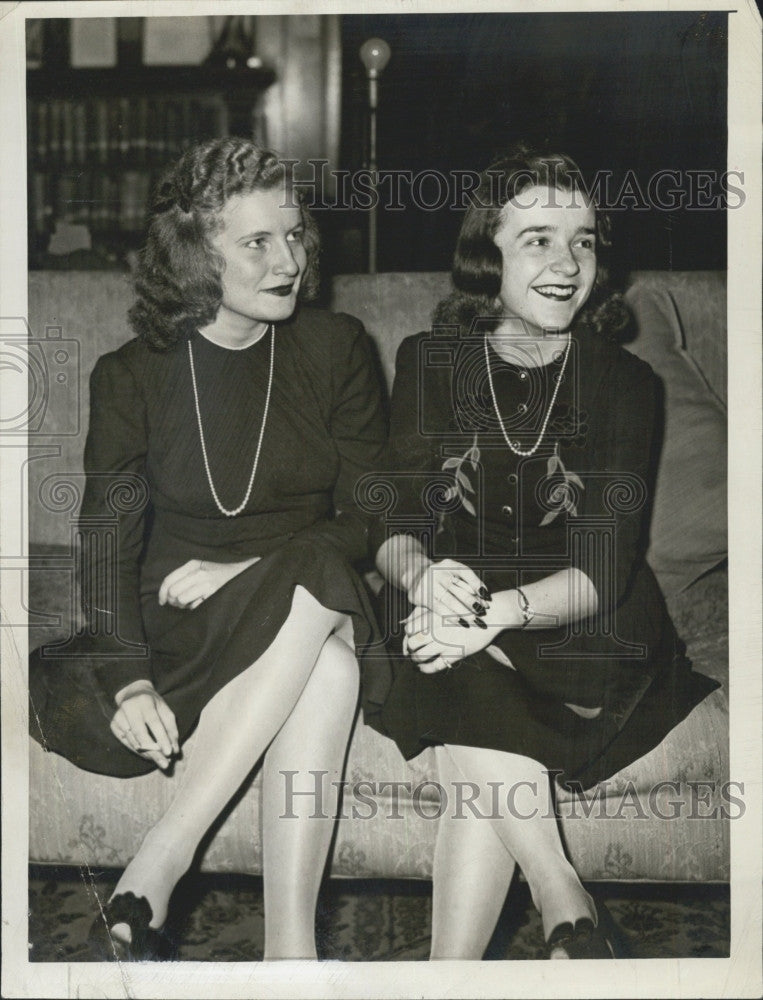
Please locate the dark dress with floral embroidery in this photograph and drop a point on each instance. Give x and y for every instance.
(584, 699)
(148, 509)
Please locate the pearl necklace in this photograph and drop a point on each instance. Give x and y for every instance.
(245, 501)
(514, 446)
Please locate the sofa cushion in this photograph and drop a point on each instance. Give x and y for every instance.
(87, 311)
(100, 820)
(688, 531)
(643, 831)
(85, 819)
(700, 298)
(391, 306)
(687, 348)
(641, 824)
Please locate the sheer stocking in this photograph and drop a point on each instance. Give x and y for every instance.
(234, 730)
(525, 825)
(471, 876)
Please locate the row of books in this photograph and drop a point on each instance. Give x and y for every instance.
(135, 131)
(105, 201)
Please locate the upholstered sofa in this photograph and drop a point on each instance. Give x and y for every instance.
(664, 818)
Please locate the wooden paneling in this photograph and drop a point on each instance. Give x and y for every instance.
(302, 108)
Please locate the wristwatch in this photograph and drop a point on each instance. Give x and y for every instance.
(524, 606)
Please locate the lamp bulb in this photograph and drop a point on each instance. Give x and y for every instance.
(375, 55)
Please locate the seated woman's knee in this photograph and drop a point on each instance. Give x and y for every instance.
(304, 600)
(337, 664)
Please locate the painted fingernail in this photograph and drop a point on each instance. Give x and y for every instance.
(479, 608)
(463, 623)
(479, 623)
(485, 594)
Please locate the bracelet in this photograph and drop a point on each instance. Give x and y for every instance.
(524, 606)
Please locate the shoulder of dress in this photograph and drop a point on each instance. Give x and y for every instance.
(409, 347)
(631, 368)
(310, 321)
(413, 359)
(134, 364)
(416, 338)
(133, 352)
(326, 338)
(606, 364)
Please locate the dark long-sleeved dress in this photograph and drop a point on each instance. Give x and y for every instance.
(584, 699)
(148, 509)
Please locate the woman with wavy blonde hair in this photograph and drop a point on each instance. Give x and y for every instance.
(230, 605)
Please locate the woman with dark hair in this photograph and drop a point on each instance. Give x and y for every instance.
(223, 449)
(536, 642)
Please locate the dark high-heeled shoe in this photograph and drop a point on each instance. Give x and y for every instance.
(584, 940)
(146, 944)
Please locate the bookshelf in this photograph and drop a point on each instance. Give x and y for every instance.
(97, 139)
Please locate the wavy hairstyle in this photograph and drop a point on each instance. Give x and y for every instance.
(178, 279)
(478, 263)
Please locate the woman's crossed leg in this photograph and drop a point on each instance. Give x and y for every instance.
(297, 701)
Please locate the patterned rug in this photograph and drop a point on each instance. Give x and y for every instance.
(219, 918)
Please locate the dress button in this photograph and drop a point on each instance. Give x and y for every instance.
(513, 478)
(523, 375)
(522, 407)
(508, 511)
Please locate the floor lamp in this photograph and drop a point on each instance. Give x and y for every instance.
(375, 55)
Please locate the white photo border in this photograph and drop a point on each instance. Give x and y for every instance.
(740, 974)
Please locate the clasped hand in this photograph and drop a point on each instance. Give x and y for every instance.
(145, 723)
(195, 581)
(448, 588)
(435, 642)
(447, 622)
